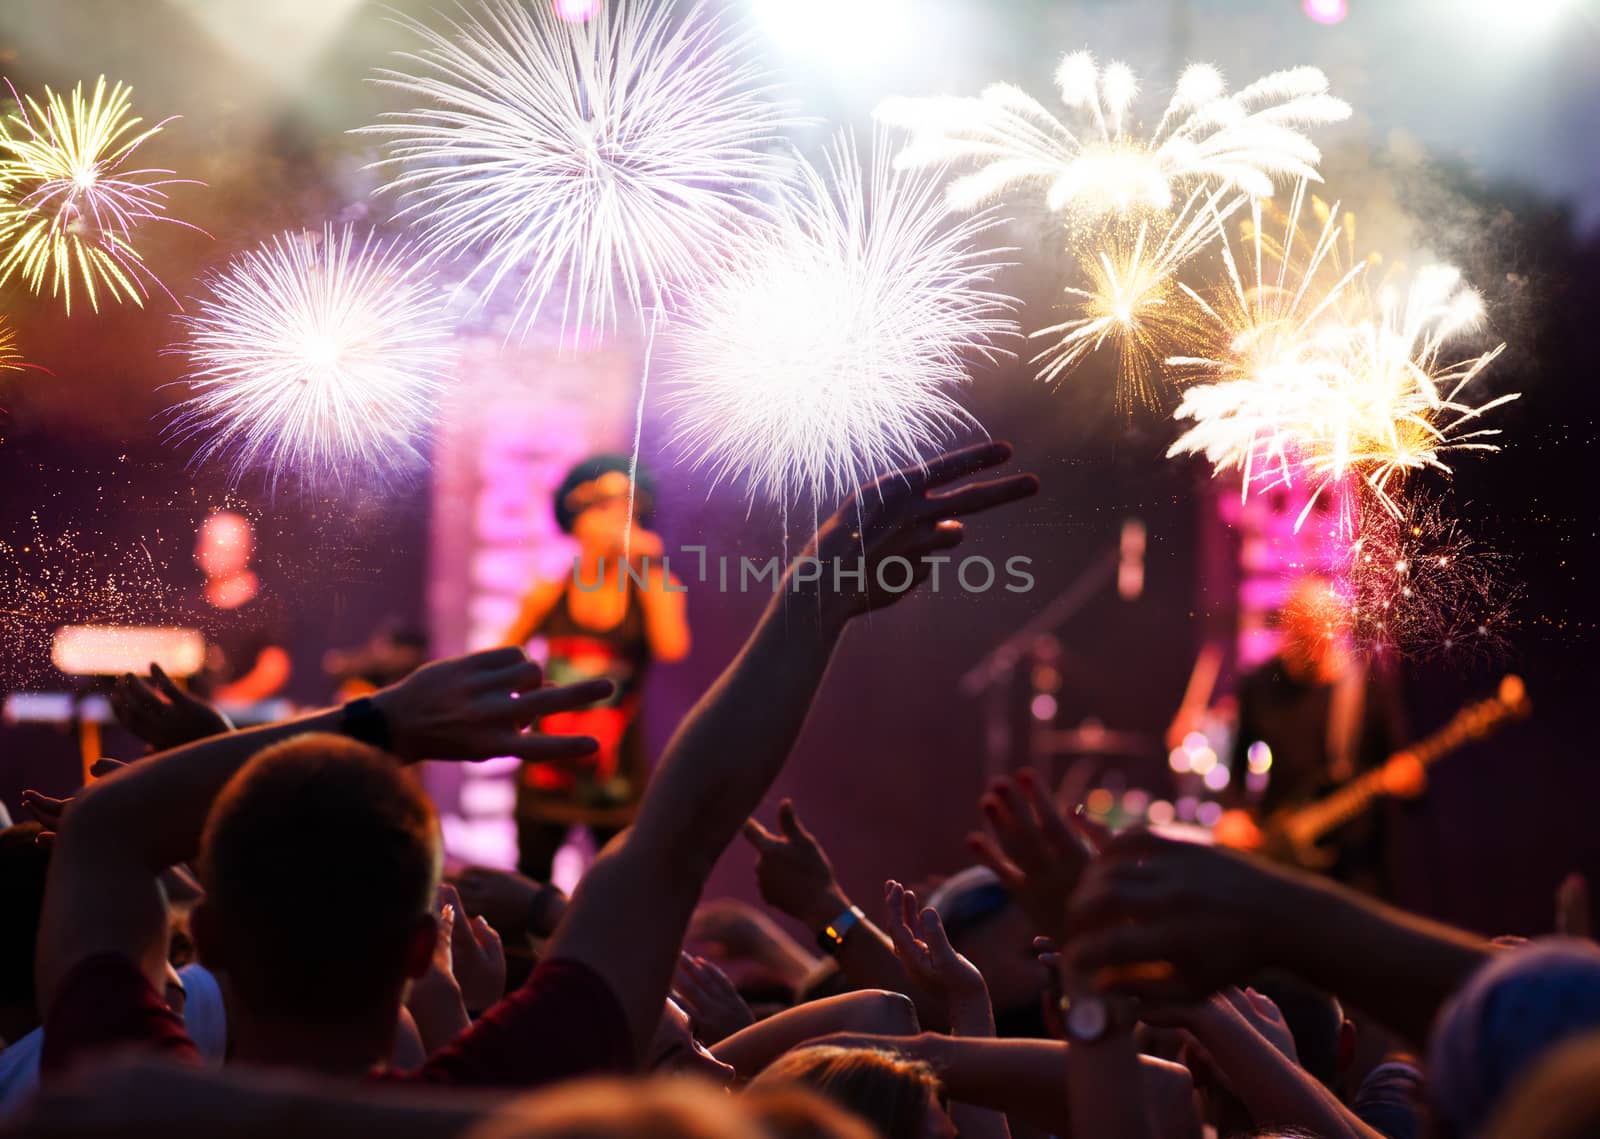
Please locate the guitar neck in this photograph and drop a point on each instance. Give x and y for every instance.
(1357, 795)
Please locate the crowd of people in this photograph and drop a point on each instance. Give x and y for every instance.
(246, 932)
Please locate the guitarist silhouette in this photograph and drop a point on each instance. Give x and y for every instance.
(1325, 717)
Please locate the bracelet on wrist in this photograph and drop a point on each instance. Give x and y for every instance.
(830, 938)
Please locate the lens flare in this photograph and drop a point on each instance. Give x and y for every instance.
(835, 348)
(69, 207)
(317, 354)
(1096, 163)
(598, 164)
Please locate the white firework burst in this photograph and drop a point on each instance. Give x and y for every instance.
(1373, 396)
(1096, 163)
(835, 349)
(317, 353)
(605, 162)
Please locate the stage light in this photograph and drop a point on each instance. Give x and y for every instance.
(850, 34)
(577, 11)
(1327, 11)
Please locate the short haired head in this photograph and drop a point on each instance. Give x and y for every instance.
(1511, 1012)
(224, 544)
(600, 480)
(1316, 624)
(900, 1098)
(320, 860)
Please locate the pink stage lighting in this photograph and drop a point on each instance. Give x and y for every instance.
(577, 11)
(1327, 11)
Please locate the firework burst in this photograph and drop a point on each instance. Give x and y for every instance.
(1417, 584)
(1135, 301)
(1396, 403)
(834, 349)
(69, 207)
(1323, 381)
(1259, 327)
(317, 353)
(604, 161)
(1097, 164)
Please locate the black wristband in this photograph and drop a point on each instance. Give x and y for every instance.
(363, 720)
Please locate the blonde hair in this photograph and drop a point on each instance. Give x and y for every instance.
(660, 1108)
(890, 1092)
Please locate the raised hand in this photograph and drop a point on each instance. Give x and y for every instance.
(929, 959)
(48, 810)
(483, 705)
(478, 960)
(1036, 852)
(1169, 920)
(1229, 1009)
(898, 517)
(714, 1005)
(793, 872)
(162, 714)
(434, 999)
(513, 904)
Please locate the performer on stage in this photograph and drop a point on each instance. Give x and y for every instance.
(1327, 716)
(597, 621)
(244, 631)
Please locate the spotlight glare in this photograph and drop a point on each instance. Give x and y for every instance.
(1327, 11)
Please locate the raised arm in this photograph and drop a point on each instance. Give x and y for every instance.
(102, 896)
(628, 916)
(796, 877)
(1024, 1078)
(1161, 919)
(1275, 1090)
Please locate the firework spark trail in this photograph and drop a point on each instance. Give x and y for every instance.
(67, 205)
(1134, 300)
(611, 160)
(1097, 165)
(315, 353)
(11, 358)
(834, 349)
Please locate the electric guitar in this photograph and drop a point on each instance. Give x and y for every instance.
(1294, 834)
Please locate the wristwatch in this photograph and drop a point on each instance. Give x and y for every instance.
(1085, 1018)
(363, 720)
(831, 936)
